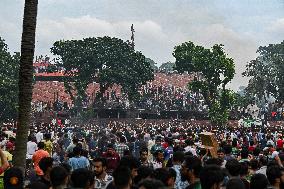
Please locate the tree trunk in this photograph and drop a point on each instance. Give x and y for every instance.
(25, 81)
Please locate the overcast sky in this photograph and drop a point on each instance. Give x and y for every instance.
(241, 25)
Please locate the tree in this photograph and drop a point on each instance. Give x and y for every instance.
(153, 64)
(167, 67)
(103, 60)
(25, 81)
(266, 73)
(213, 71)
(9, 69)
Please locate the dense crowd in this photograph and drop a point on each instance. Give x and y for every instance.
(145, 155)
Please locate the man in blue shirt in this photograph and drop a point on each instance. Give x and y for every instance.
(78, 161)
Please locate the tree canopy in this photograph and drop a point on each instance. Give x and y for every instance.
(266, 72)
(167, 67)
(9, 67)
(104, 60)
(213, 70)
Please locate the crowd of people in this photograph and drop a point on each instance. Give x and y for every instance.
(145, 155)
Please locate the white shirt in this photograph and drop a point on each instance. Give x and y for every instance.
(31, 148)
(39, 137)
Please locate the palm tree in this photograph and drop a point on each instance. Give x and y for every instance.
(25, 81)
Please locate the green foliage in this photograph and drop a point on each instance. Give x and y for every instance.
(152, 63)
(9, 69)
(167, 67)
(103, 60)
(213, 70)
(266, 72)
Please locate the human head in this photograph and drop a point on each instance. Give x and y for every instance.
(40, 145)
(178, 157)
(144, 154)
(122, 177)
(132, 163)
(151, 184)
(58, 176)
(159, 155)
(77, 151)
(235, 184)
(258, 181)
(13, 178)
(99, 165)
(275, 174)
(82, 178)
(45, 164)
(191, 167)
(211, 177)
(233, 167)
(163, 175)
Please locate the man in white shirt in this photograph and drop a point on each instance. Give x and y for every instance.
(39, 136)
(31, 149)
(102, 179)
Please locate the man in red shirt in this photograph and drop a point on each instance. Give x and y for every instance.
(112, 158)
(279, 142)
(38, 155)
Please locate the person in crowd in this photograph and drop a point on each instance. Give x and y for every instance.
(258, 181)
(112, 158)
(275, 175)
(235, 184)
(121, 147)
(158, 161)
(74, 143)
(59, 177)
(165, 176)
(45, 164)
(78, 161)
(82, 179)
(144, 161)
(178, 158)
(13, 178)
(122, 178)
(31, 149)
(102, 179)
(190, 171)
(211, 177)
(38, 155)
(151, 184)
(234, 168)
(132, 163)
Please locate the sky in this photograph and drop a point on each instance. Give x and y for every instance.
(160, 25)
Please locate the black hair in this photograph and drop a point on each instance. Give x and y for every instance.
(45, 163)
(143, 150)
(178, 156)
(121, 177)
(258, 181)
(210, 175)
(19, 178)
(254, 164)
(40, 145)
(235, 184)
(143, 172)
(162, 174)
(273, 172)
(58, 175)
(77, 151)
(244, 168)
(233, 167)
(151, 184)
(244, 153)
(193, 163)
(81, 177)
(227, 149)
(130, 162)
(102, 160)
